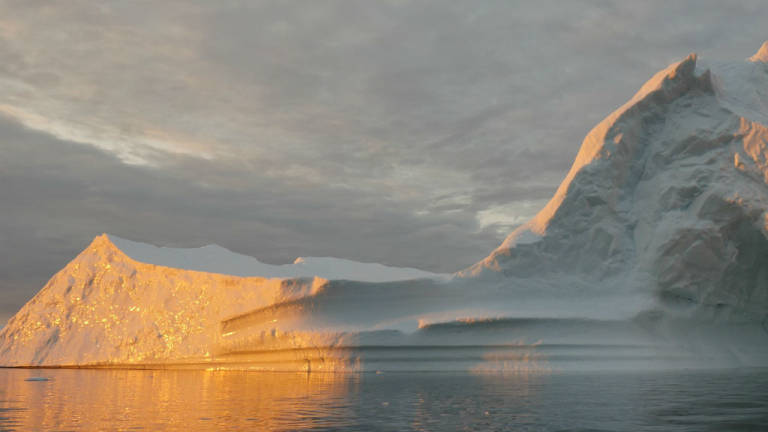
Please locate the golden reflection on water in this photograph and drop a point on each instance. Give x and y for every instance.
(110, 399)
(195, 400)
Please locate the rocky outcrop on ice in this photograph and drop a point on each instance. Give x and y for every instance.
(654, 248)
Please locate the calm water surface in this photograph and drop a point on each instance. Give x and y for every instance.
(205, 400)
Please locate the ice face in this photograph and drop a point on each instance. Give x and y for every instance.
(667, 196)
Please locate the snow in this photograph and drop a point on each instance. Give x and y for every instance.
(651, 253)
(216, 259)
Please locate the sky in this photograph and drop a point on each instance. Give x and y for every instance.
(410, 133)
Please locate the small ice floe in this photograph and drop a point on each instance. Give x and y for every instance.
(37, 379)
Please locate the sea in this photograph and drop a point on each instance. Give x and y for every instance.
(215, 400)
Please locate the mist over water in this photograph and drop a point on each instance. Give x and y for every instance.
(72, 399)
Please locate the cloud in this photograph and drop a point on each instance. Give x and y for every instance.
(504, 218)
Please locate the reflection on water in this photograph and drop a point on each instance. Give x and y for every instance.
(170, 400)
(231, 400)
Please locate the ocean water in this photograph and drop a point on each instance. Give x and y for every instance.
(188, 400)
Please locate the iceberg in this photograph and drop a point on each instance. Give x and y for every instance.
(653, 252)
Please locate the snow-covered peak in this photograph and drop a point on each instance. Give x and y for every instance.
(216, 259)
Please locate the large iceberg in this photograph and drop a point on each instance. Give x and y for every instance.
(653, 252)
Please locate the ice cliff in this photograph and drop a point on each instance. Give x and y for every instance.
(654, 249)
